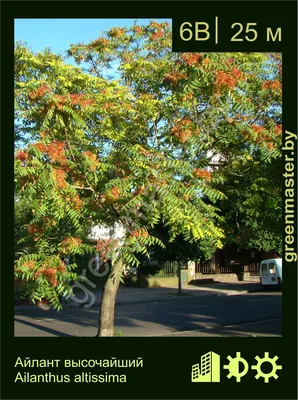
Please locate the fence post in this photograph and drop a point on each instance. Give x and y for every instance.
(191, 271)
(179, 278)
(138, 275)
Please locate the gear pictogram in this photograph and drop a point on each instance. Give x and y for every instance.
(258, 367)
(233, 366)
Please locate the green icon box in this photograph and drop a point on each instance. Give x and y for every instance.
(208, 370)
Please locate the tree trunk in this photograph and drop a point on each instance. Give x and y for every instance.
(107, 305)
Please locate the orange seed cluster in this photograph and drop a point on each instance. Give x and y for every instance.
(137, 29)
(224, 80)
(140, 233)
(93, 158)
(59, 177)
(49, 273)
(202, 173)
(105, 246)
(271, 85)
(101, 42)
(174, 77)
(115, 192)
(69, 243)
(40, 92)
(191, 58)
(29, 264)
(55, 150)
(21, 155)
(117, 32)
(183, 130)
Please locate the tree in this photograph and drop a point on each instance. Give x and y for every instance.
(252, 211)
(180, 249)
(252, 217)
(132, 148)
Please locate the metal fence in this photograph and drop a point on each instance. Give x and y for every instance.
(170, 268)
(230, 269)
(207, 268)
(203, 268)
(162, 269)
(253, 269)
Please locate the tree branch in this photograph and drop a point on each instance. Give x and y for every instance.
(83, 188)
(67, 140)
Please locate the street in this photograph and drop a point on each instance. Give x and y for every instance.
(251, 314)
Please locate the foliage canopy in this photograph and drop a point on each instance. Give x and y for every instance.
(140, 135)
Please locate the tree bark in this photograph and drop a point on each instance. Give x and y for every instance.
(107, 304)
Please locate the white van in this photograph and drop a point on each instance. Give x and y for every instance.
(270, 272)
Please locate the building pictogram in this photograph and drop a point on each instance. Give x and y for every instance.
(208, 370)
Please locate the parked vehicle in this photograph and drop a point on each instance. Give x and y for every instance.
(270, 272)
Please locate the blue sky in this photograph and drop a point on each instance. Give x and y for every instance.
(59, 33)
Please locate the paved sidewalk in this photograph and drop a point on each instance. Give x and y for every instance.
(247, 329)
(129, 295)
